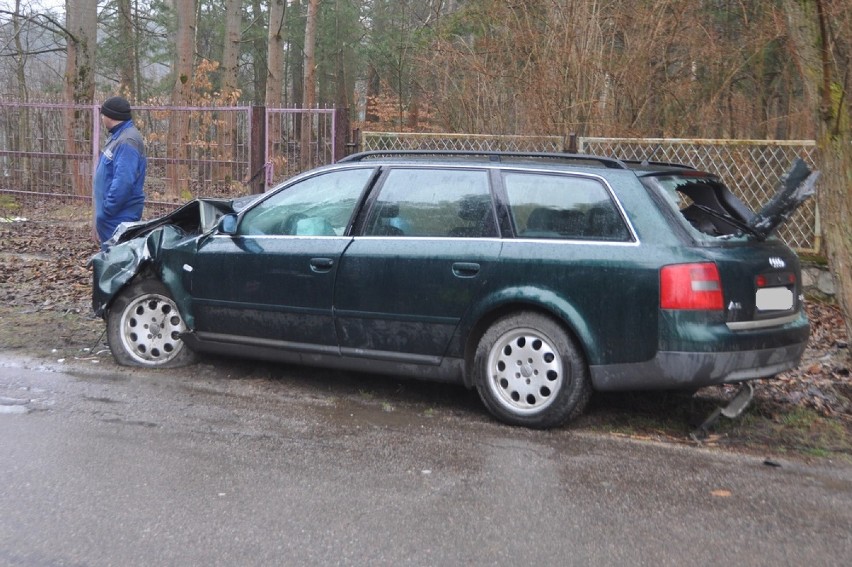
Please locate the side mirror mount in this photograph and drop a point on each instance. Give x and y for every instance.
(227, 224)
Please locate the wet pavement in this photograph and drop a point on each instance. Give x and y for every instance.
(252, 464)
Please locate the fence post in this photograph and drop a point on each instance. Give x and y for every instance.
(257, 150)
(354, 145)
(572, 143)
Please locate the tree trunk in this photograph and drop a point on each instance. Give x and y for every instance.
(127, 71)
(274, 97)
(259, 47)
(835, 209)
(225, 152)
(816, 53)
(22, 171)
(306, 160)
(275, 53)
(834, 195)
(81, 21)
(231, 50)
(177, 169)
(296, 56)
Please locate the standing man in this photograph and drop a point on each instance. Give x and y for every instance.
(118, 194)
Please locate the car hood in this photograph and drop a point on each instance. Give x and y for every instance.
(139, 244)
(197, 216)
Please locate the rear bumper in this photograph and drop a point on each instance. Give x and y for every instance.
(717, 355)
(690, 370)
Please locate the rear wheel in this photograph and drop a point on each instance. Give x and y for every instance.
(144, 327)
(529, 371)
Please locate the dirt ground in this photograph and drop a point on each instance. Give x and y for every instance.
(45, 312)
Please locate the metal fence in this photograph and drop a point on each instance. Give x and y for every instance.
(238, 150)
(473, 142)
(286, 154)
(34, 157)
(48, 151)
(216, 160)
(751, 168)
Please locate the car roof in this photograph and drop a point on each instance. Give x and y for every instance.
(524, 159)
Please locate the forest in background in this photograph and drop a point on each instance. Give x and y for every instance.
(645, 68)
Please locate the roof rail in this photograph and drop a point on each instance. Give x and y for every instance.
(656, 163)
(611, 163)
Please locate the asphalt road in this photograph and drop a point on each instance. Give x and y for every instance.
(262, 465)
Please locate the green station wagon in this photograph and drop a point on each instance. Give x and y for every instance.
(534, 278)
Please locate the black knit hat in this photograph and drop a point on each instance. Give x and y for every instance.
(116, 108)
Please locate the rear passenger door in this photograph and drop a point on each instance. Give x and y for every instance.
(586, 258)
(425, 248)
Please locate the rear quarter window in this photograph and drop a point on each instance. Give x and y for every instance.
(554, 206)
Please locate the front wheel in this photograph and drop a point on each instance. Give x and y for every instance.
(529, 371)
(144, 327)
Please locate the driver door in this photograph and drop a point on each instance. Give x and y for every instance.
(271, 283)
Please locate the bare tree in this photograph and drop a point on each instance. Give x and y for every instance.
(81, 19)
(835, 132)
(128, 59)
(295, 56)
(231, 50)
(23, 95)
(275, 53)
(177, 170)
(310, 85)
(819, 33)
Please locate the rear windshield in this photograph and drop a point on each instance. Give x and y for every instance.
(704, 205)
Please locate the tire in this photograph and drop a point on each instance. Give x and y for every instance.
(530, 372)
(144, 327)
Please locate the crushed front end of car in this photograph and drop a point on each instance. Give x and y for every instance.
(140, 245)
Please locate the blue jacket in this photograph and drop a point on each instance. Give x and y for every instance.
(118, 194)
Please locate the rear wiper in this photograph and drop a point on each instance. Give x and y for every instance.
(742, 225)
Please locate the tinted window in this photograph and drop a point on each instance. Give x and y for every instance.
(318, 206)
(561, 206)
(433, 202)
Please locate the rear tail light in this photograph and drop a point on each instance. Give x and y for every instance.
(691, 286)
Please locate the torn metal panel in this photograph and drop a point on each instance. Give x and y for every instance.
(140, 245)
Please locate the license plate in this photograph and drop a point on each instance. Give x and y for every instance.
(774, 299)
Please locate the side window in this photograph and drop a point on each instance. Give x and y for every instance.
(318, 206)
(562, 206)
(433, 202)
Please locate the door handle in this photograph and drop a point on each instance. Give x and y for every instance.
(321, 264)
(465, 269)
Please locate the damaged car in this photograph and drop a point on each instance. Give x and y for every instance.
(534, 278)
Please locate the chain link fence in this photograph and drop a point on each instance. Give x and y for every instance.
(378, 141)
(751, 168)
(230, 147)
